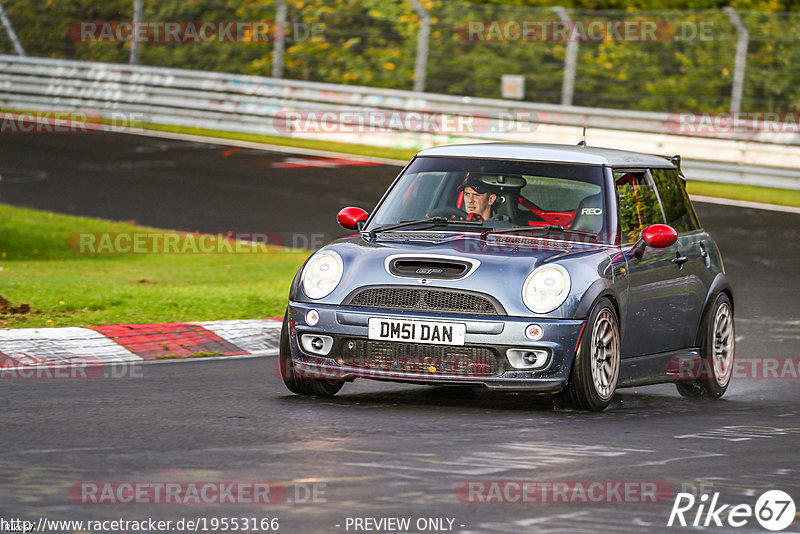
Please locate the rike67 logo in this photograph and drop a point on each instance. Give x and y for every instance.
(774, 510)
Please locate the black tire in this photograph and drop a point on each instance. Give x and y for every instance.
(718, 340)
(296, 383)
(601, 339)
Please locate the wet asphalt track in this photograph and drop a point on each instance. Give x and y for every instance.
(179, 185)
(381, 450)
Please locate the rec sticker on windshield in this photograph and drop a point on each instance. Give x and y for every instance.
(417, 331)
(592, 211)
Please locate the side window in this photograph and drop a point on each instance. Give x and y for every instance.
(638, 203)
(677, 207)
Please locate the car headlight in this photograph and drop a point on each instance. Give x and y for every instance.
(546, 288)
(322, 274)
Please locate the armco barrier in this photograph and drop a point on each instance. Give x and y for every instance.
(255, 104)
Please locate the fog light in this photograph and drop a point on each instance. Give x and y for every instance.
(527, 358)
(316, 343)
(312, 317)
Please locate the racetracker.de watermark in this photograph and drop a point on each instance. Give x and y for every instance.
(380, 121)
(750, 368)
(729, 124)
(196, 492)
(21, 367)
(98, 243)
(378, 365)
(595, 30)
(551, 31)
(565, 491)
(191, 32)
(70, 122)
(38, 122)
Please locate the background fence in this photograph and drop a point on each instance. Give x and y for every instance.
(242, 103)
(712, 60)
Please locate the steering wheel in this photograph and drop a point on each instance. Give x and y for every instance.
(449, 213)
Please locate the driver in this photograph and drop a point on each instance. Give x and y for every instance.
(478, 198)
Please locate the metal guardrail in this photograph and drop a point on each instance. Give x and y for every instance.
(254, 104)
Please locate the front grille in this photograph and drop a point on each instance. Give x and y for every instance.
(423, 299)
(416, 358)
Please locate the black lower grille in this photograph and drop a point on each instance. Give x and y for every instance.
(424, 299)
(418, 358)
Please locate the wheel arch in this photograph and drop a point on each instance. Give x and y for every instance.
(720, 285)
(599, 289)
(294, 288)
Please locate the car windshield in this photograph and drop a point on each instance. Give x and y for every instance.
(484, 195)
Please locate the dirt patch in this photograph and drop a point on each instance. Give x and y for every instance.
(7, 307)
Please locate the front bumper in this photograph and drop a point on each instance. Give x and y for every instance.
(489, 336)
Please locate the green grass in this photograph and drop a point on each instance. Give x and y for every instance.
(64, 288)
(753, 193)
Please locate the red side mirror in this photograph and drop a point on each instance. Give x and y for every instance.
(350, 217)
(659, 235)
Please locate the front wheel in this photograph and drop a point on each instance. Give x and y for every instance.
(716, 365)
(596, 369)
(293, 380)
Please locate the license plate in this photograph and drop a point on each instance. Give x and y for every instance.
(417, 331)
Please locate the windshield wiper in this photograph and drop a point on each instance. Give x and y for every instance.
(432, 220)
(547, 228)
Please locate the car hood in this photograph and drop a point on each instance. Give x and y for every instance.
(501, 263)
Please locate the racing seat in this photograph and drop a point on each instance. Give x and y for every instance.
(505, 204)
(589, 215)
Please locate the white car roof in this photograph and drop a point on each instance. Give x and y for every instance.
(585, 155)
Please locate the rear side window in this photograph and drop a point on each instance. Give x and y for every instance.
(556, 194)
(638, 203)
(677, 207)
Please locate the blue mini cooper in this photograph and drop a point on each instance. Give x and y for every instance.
(560, 269)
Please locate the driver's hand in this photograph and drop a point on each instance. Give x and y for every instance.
(476, 217)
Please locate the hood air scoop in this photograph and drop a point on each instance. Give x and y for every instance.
(429, 267)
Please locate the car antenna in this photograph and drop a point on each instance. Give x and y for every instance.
(582, 142)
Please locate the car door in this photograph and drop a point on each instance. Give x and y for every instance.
(654, 319)
(693, 244)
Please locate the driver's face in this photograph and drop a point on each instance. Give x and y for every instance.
(478, 203)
